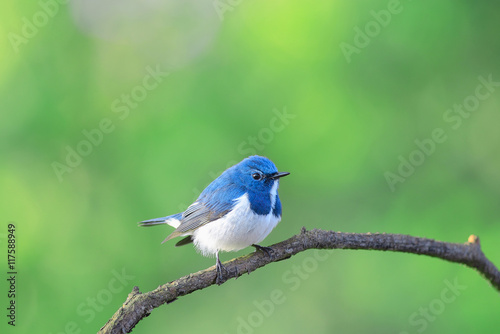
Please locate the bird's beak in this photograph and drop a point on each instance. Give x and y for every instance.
(277, 175)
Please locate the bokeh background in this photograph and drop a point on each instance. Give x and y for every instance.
(113, 112)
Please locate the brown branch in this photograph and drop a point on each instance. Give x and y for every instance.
(139, 305)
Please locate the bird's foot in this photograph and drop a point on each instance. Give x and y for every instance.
(219, 276)
(268, 250)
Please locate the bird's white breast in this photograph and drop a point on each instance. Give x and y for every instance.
(238, 229)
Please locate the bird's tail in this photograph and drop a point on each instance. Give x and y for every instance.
(173, 220)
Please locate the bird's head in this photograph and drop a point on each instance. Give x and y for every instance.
(258, 173)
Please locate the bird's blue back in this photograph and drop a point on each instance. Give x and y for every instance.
(236, 181)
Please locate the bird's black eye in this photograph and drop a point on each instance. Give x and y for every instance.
(257, 176)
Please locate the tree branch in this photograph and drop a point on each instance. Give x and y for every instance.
(139, 305)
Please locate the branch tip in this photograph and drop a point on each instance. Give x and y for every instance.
(473, 239)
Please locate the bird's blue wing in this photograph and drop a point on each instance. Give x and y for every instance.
(214, 203)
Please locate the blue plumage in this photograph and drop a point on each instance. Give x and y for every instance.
(238, 209)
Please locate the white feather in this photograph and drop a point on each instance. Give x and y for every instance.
(238, 229)
(173, 222)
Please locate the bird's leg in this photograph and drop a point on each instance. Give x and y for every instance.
(268, 250)
(219, 277)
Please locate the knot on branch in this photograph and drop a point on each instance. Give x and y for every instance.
(135, 291)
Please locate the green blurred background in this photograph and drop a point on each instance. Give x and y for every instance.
(234, 79)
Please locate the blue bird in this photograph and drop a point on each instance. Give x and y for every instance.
(238, 209)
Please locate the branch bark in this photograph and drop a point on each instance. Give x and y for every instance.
(139, 305)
